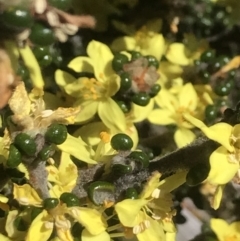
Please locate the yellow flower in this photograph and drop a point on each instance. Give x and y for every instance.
(224, 161)
(146, 40)
(143, 214)
(225, 231)
(94, 94)
(172, 109)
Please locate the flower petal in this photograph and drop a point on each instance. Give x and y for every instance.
(113, 85)
(101, 57)
(77, 147)
(140, 113)
(176, 54)
(4, 238)
(233, 228)
(219, 132)
(112, 116)
(219, 226)
(86, 236)
(161, 117)
(91, 219)
(38, 226)
(123, 43)
(188, 97)
(217, 198)
(128, 211)
(26, 195)
(183, 137)
(81, 64)
(63, 78)
(222, 169)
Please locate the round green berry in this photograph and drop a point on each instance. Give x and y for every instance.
(154, 90)
(152, 61)
(126, 81)
(205, 77)
(207, 56)
(56, 133)
(14, 157)
(123, 106)
(140, 157)
(210, 113)
(141, 99)
(35, 211)
(121, 142)
(131, 193)
(119, 169)
(45, 61)
(50, 203)
(64, 5)
(41, 35)
(40, 51)
(70, 199)
(222, 89)
(17, 17)
(46, 152)
(135, 55)
(23, 72)
(118, 61)
(25, 144)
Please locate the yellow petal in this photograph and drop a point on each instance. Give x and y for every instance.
(3, 199)
(89, 218)
(140, 113)
(233, 228)
(128, 211)
(168, 226)
(113, 85)
(219, 226)
(161, 117)
(217, 198)
(167, 100)
(90, 133)
(86, 236)
(31, 63)
(88, 110)
(183, 136)
(10, 227)
(170, 236)
(76, 88)
(154, 232)
(63, 78)
(123, 43)
(26, 195)
(111, 115)
(77, 147)
(64, 234)
(177, 54)
(4, 238)
(101, 57)
(222, 170)
(219, 132)
(39, 229)
(188, 97)
(81, 64)
(155, 46)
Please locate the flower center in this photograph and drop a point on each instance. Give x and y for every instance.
(179, 116)
(93, 89)
(141, 37)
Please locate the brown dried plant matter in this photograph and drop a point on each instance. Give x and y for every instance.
(8, 80)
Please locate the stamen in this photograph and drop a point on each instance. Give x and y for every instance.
(116, 235)
(48, 225)
(105, 137)
(46, 113)
(114, 227)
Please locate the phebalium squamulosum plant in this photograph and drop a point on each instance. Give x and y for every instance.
(105, 132)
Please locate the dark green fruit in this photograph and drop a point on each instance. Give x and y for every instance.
(197, 174)
(14, 157)
(131, 193)
(135, 55)
(45, 61)
(25, 144)
(121, 142)
(100, 191)
(207, 56)
(20, 224)
(17, 17)
(118, 61)
(35, 211)
(123, 106)
(40, 51)
(210, 113)
(222, 89)
(152, 61)
(205, 77)
(140, 157)
(70, 199)
(141, 99)
(126, 81)
(64, 5)
(23, 72)
(154, 90)
(56, 133)
(50, 203)
(120, 169)
(77, 229)
(46, 152)
(41, 35)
